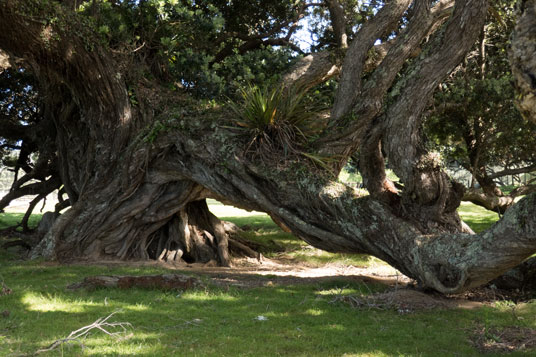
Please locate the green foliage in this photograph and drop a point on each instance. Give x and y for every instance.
(275, 119)
(479, 114)
(197, 45)
(260, 67)
(474, 120)
(321, 31)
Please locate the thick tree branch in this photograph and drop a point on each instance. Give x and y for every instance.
(489, 201)
(350, 83)
(402, 139)
(338, 22)
(517, 171)
(319, 67)
(391, 57)
(523, 190)
(523, 58)
(445, 262)
(313, 69)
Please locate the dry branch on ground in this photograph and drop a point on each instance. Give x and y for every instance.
(101, 324)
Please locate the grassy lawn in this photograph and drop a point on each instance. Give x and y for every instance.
(300, 320)
(297, 320)
(476, 217)
(11, 219)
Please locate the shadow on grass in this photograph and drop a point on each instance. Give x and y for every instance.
(298, 319)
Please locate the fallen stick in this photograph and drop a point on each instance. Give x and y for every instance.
(100, 324)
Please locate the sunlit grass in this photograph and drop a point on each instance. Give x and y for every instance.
(12, 219)
(47, 302)
(478, 218)
(221, 210)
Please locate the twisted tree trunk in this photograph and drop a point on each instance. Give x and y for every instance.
(137, 175)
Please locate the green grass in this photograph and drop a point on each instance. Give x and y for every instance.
(478, 218)
(302, 320)
(12, 219)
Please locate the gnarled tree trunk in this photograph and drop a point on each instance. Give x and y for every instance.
(138, 189)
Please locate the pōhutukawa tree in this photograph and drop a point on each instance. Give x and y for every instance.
(137, 155)
(475, 123)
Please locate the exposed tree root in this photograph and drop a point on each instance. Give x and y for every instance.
(163, 281)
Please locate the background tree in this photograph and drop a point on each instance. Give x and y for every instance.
(27, 145)
(138, 156)
(474, 119)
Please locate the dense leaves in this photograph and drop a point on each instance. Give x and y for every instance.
(474, 121)
(209, 48)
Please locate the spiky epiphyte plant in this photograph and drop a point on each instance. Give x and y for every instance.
(276, 119)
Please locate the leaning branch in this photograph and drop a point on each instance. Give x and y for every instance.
(350, 83)
(517, 171)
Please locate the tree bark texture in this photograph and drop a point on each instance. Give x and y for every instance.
(523, 58)
(138, 175)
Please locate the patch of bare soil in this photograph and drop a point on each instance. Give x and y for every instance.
(400, 296)
(406, 300)
(491, 294)
(503, 339)
(250, 273)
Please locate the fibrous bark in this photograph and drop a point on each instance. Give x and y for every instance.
(523, 59)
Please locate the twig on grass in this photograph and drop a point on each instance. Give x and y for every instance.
(100, 324)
